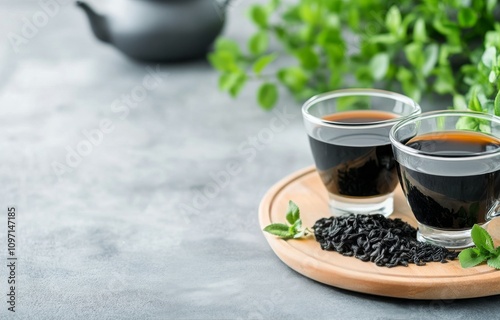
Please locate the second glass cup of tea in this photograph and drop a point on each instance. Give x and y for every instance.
(349, 138)
(449, 165)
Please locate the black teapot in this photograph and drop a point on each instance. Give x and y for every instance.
(159, 30)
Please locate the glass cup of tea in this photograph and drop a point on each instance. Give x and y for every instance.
(449, 170)
(349, 137)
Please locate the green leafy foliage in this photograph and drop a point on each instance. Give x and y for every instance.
(471, 257)
(494, 262)
(484, 250)
(379, 65)
(267, 95)
(259, 15)
(497, 105)
(482, 240)
(279, 229)
(258, 43)
(293, 213)
(292, 231)
(447, 47)
(467, 17)
(262, 63)
(295, 78)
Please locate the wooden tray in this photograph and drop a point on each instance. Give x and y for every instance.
(433, 281)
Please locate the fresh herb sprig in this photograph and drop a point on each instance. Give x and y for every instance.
(484, 250)
(294, 229)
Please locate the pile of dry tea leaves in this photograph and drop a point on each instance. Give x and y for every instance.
(386, 242)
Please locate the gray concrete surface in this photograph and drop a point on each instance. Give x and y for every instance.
(137, 227)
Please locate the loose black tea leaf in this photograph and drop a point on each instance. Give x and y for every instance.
(386, 242)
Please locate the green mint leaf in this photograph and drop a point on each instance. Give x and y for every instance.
(303, 233)
(467, 17)
(224, 44)
(443, 26)
(309, 13)
(492, 77)
(393, 20)
(419, 32)
(307, 57)
(414, 54)
(292, 213)
(223, 61)
(482, 239)
(238, 84)
(444, 82)
(259, 16)
(293, 77)
(497, 104)
(492, 39)
(471, 257)
(281, 33)
(335, 53)
(459, 102)
(387, 39)
(494, 262)
(225, 80)
(258, 43)
(379, 65)
(407, 20)
(267, 95)
(262, 63)
(489, 57)
(306, 35)
(291, 15)
(467, 123)
(228, 80)
(279, 229)
(294, 230)
(353, 18)
(431, 53)
(404, 74)
(297, 225)
(485, 128)
(474, 103)
(300, 234)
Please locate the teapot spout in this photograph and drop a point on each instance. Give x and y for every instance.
(97, 22)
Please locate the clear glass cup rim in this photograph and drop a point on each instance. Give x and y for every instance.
(357, 92)
(434, 114)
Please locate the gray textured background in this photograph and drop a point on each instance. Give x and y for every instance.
(117, 237)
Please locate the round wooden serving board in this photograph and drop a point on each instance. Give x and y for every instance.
(432, 281)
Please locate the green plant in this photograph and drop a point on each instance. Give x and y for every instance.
(414, 46)
(483, 251)
(482, 77)
(294, 229)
